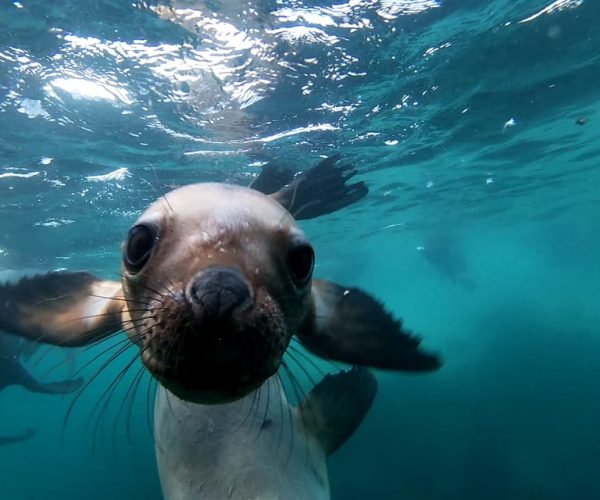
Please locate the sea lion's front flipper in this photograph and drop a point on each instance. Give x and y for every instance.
(348, 325)
(63, 308)
(28, 434)
(321, 189)
(334, 409)
(12, 372)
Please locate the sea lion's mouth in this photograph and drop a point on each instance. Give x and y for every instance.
(204, 358)
(213, 394)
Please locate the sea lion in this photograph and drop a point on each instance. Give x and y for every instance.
(216, 279)
(445, 253)
(12, 372)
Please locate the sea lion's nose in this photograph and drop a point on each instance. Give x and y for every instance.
(218, 290)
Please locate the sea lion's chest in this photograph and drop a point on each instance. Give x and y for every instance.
(255, 448)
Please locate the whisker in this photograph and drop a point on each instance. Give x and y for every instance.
(172, 342)
(150, 396)
(167, 395)
(299, 392)
(327, 360)
(169, 290)
(100, 315)
(147, 287)
(296, 386)
(266, 412)
(100, 354)
(249, 412)
(120, 299)
(106, 397)
(258, 398)
(89, 343)
(87, 384)
(75, 294)
(41, 356)
(293, 202)
(164, 195)
(133, 326)
(307, 358)
(281, 403)
(62, 345)
(301, 366)
(290, 419)
(250, 366)
(306, 402)
(85, 349)
(136, 383)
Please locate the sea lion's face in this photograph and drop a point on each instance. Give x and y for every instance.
(217, 279)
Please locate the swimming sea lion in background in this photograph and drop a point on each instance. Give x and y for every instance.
(28, 434)
(216, 280)
(445, 253)
(12, 372)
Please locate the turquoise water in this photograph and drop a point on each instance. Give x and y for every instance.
(479, 228)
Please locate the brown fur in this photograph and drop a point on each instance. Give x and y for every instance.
(191, 231)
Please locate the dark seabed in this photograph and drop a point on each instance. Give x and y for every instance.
(474, 123)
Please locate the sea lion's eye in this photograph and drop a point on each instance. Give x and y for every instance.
(138, 247)
(301, 261)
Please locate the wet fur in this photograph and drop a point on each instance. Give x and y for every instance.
(199, 227)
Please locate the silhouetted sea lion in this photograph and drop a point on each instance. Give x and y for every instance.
(445, 253)
(12, 372)
(28, 434)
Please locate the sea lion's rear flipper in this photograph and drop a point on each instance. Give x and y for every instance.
(348, 325)
(321, 190)
(28, 434)
(334, 409)
(272, 178)
(62, 308)
(14, 373)
(58, 387)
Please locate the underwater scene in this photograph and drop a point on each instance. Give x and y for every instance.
(427, 326)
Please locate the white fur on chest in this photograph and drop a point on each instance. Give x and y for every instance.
(252, 449)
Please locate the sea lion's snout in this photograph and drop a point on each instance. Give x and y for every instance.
(216, 338)
(215, 292)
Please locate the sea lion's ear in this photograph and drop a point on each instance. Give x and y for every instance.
(321, 190)
(62, 308)
(348, 325)
(337, 405)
